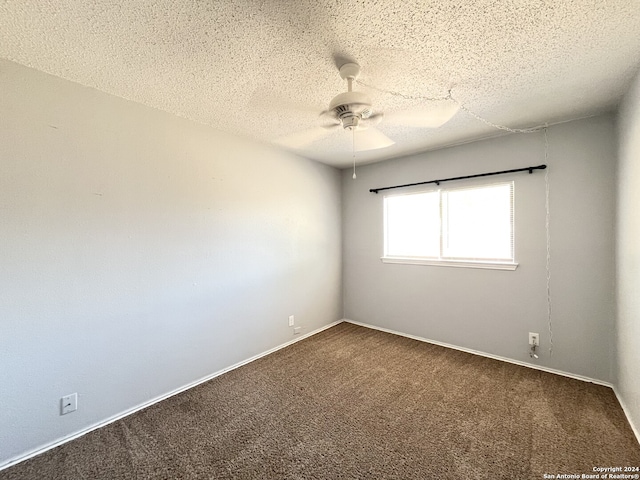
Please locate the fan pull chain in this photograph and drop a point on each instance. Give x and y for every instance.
(353, 133)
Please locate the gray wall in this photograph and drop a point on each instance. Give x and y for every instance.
(141, 252)
(488, 310)
(628, 254)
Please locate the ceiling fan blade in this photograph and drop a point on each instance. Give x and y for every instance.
(371, 139)
(329, 119)
(374, 119)
(433, 115)
(302, 138)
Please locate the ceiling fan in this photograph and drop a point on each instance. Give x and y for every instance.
(353, 111)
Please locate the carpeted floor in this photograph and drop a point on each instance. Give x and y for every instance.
(352, 402)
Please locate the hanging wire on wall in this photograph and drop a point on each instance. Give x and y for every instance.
(505, 128)
(403, 95)
(548, 233)
(449, 96)
(495, 125)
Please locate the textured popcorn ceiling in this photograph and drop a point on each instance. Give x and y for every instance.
(267, 68)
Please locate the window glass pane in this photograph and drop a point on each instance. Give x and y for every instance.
(412, 225)
(477, 222)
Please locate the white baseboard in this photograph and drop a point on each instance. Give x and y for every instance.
(126, 413)
(636, 432)
(484, 354)
(103, 423)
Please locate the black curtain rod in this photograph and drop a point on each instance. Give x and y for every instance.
(437, 182)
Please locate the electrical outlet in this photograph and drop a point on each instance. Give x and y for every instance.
(297, 330)
(68, 404)
(534, 339)
(292, 320)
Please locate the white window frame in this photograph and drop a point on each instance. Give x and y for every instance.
(441, 261)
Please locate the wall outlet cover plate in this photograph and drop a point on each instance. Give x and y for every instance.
(68, 403)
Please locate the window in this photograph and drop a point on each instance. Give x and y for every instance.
(470, 227)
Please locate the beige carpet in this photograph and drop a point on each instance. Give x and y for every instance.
(352, 402)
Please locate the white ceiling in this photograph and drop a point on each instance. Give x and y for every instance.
(268, 68)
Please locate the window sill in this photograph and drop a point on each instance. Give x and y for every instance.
(451, 263)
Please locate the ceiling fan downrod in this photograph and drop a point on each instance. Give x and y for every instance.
(350, 106)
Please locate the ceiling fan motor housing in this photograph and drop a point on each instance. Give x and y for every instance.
(350, 122)
(350, 107)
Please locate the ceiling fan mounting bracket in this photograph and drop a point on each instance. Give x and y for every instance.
(351, 108)
(350, 71)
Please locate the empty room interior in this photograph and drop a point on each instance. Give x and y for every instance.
(321, 239)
